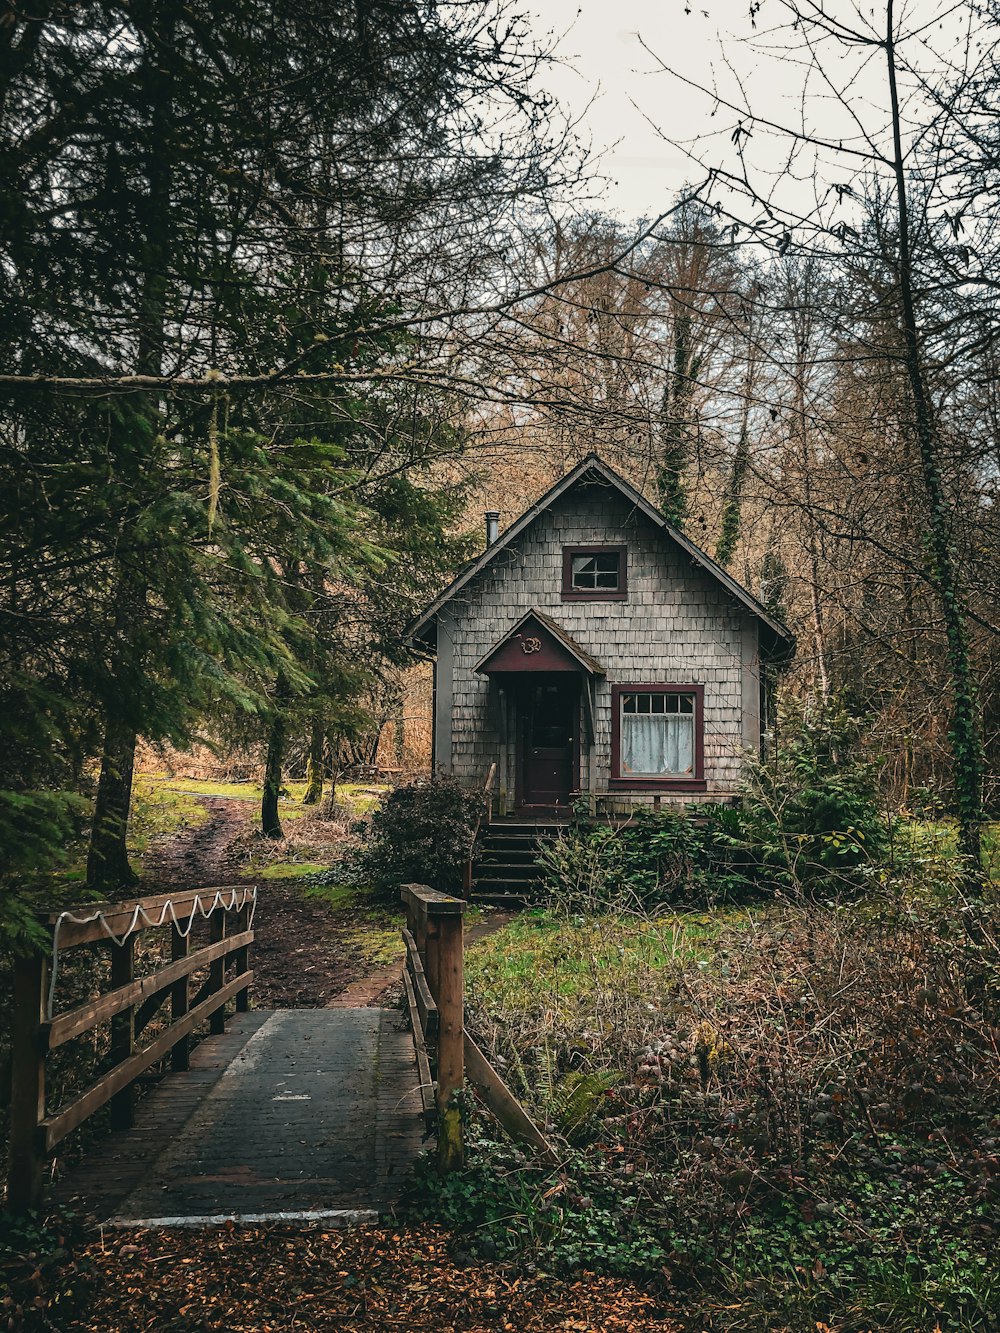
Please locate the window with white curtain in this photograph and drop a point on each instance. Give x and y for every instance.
(657, 737)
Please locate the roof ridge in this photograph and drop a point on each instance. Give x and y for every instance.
(593, 461)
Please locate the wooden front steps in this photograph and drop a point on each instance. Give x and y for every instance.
(506, 870)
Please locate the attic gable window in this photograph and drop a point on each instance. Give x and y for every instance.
(595, 573)
(658, 736)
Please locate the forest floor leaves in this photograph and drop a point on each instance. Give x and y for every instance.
(363, 1281)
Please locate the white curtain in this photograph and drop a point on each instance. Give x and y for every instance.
(657, 744)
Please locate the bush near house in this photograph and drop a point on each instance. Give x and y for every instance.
(809, 824)
(417, 834)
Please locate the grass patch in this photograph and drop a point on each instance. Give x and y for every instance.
(338, 897)
(159, 811)
(767, 1110)
(543, 958)
(357, 796)
(378, 944)
(287, 870)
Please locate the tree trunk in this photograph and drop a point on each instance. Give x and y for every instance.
(966, 744)
(399, 734)
(107, 861)
(812, 541)
(314, 765)
(270, 821)
(108, 866)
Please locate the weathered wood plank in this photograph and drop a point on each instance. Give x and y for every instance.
(432, 900)
(450, 1040)
(495, 1095)
(56, 1127)
(427, 1090)
(64, 1027)
(424, 999)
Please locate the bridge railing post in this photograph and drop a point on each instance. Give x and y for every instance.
(217, 972)
(27, 1103)
(242, 957)
(449, 992)
(180, 999)
(123, 1031)
(434, 980)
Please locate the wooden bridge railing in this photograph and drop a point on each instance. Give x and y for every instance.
(128, 1006)
(434, 980)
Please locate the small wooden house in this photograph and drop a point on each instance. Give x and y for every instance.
(594, 652)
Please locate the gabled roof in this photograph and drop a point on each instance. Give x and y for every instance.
(593, 469)
(565, 641)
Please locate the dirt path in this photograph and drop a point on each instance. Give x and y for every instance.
(306, 956)
(200, 856)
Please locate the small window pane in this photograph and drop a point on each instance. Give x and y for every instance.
(600, 569)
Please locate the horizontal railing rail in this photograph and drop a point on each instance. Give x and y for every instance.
(129, 1006)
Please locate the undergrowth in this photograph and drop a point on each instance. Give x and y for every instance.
(785, 1117)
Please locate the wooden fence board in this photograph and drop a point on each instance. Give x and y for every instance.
(56, 1127)
(74, 1022)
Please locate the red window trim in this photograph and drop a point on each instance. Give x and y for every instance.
(689, 782)
(571, 594)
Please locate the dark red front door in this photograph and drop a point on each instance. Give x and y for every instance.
(549, 710)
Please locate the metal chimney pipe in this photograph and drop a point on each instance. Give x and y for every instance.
(492, 526)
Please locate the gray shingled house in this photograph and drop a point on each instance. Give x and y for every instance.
(592, 652)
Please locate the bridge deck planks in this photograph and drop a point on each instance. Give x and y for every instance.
(288, 1111)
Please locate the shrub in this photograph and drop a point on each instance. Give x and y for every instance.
(658, 857)
(812, 814)
(802, 1122)
(809, 823)
(417, 834)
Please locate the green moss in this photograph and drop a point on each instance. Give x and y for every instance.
(286, 870)
(380, 945)
(336, 896)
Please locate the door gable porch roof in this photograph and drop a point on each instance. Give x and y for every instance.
(537, 643)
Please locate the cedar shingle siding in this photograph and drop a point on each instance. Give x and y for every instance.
(678, 626)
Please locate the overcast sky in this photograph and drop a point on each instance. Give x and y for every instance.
(604, 59)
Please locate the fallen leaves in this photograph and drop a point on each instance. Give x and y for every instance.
(264, 1280)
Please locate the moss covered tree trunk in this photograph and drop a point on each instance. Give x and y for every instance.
(314, 765)
(966, 742)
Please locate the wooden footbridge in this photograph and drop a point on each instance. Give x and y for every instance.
(285, 1114)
